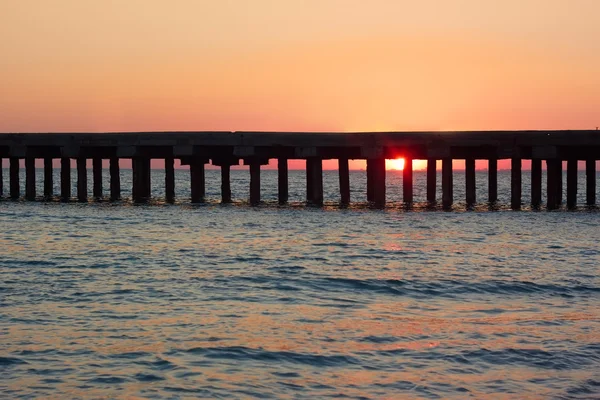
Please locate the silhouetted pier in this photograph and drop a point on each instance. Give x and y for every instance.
(254, 149)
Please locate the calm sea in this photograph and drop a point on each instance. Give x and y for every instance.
(106, 300)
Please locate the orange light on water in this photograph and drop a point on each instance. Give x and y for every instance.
(396, 164)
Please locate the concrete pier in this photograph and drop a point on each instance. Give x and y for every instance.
(370, 180)
(571, 183)
(48, 178)
(471, 196)
(407, 181)
(282, 180)
(590, 179)
(15, 188)
(81, 180)
(431, 180)
(314, 168)
(254, 182)
(97, 177)
(115, 179)
(378, 174)
(447, 184)
(515, 183)
(536, 182)
(553, 170)
(65, 179)
(226, 183)
(344, 177)
(30, 178)
(227, 148)
(492, 180)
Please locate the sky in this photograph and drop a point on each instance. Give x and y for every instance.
(310, 65)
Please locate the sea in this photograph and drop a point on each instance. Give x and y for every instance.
(178, 301)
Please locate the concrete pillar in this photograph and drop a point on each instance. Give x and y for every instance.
(590, 177)
(315, 171)
(282, 180)
(15, 187)
(407, 181)
(115, 179)
(1, 179)
(254, 183)
(81, 180)
(571, 184)
(225, 183)
(471, 195)
(141, 179)
(344, 172)
(492, 180)
(48, 178)
(30, 178)
(169, 179)
(378, 178)
(447, 184)
(559, 180)
(309, 180)
(97, 175)
(65, 179)
(536, 182)
(431, 179)
(515, 183)
(552, 170)
(198, 183)
(370, 181)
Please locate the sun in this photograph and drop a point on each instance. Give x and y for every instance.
(395, 164)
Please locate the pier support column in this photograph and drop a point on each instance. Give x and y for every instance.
(169, 179)
(97, 175)
(471, 196)
(30, 178)
(15, 187)
(431, 179)
(552, 170)
(447, 184)
(407, 181)
(198, 182)
(141, 179)
(559, 180)
(590, 178)
(48, 178)
(492, 180)
(378, 174)
(571, 184)
(536, 182)
(81, 180)
(370, 181)
(344, 176)
(254, 183)
(515, 183)
(65, 179)
(1, 178)
(282, 180)
(225, 183)
(115, 179)
(315, 171)
(309, 180)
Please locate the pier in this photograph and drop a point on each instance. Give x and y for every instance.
(255, 149)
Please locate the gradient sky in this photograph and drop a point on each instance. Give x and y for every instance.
(343, 65)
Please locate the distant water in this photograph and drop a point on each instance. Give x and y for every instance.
(210, 301)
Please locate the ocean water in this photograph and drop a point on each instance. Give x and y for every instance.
(104, 300)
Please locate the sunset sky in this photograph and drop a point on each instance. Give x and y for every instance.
(330, 65)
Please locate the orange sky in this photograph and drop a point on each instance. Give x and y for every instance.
(343, 65)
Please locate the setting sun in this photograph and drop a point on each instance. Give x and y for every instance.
(396, 164)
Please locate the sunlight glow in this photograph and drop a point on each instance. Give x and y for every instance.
(397, 164)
